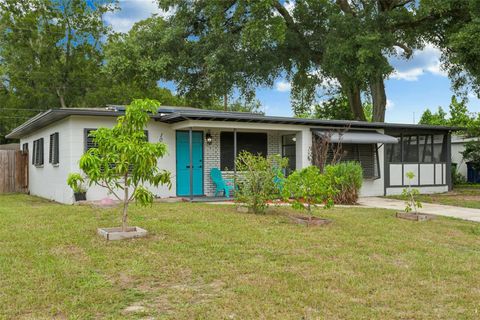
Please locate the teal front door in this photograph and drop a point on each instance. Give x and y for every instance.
(183, 163)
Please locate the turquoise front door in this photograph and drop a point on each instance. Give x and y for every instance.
(183, 163)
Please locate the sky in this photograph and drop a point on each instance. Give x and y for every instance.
(416, 85)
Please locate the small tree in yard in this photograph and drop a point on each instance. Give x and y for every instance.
(410, 194)
(260, 178)
(123, 161)
(308, 187)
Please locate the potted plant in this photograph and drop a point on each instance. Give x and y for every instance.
(411, 202)
(77, 183)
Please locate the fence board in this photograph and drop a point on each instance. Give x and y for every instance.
(13, 171)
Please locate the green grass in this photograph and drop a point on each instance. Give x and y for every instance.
(210, 262)
(467, 196)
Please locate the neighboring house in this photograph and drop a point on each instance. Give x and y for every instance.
(458, 146)
(56, 139)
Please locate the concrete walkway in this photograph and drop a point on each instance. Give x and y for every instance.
(429, 208)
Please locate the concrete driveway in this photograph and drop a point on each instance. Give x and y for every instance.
(430, 208)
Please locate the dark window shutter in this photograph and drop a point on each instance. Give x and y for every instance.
(53, 150)
(50, 148)
(56, 150)
(34, 153)
(41, 151)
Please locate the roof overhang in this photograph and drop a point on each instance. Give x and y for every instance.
(175, 115)
(45, 118)
(357, 137)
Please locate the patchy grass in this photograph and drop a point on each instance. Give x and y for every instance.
(467, 196)
(210, 262)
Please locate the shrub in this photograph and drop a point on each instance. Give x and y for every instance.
(260, 177)
(308, 187)
(347, 178)
(410, 195)
(457, 177)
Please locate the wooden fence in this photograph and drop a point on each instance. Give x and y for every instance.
(13, 171)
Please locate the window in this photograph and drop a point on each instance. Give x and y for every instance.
(426, 148)
(88, 139)
(53, 150)
(253, 142)
(422, 148)
(37, 155)
(365, 154)
(25, 147)
(410, 149)
(289, 151)
(439, 150)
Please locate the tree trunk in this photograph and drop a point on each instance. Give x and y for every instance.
(379, 98)
(225, 102)
(353, 94)
(125, 208)
(61, 96)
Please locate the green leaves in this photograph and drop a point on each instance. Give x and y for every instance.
(307, 187)
(410, 195)
(260, 179)
(123, 159)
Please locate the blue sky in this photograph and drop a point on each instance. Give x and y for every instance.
(416, 85)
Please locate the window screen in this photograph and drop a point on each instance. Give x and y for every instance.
(365, 154)
(53, 149)
(253, 142)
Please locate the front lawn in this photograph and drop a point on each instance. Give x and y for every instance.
(467, 196)
(210, 262)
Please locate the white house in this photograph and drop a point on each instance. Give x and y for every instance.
(199, 140)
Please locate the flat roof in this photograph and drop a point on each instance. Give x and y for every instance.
(170, 114)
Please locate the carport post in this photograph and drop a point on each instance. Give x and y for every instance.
(190, 145)
(234, 158)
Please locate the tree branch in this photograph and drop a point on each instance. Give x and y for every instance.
(293, 26)
(407, 50)
(106, 185)
(343, 4)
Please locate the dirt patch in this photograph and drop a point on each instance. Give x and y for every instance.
(310, 221)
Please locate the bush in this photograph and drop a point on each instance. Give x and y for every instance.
(308, 187)
(260, 177)
(347, 178)
(457, 177)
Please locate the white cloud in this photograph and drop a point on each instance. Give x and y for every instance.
(132, 11)
(283, 86)
(390, 104)
(422, 61)
(289, 5)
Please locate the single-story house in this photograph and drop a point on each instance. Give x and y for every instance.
(199, 140)
(463, 167)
